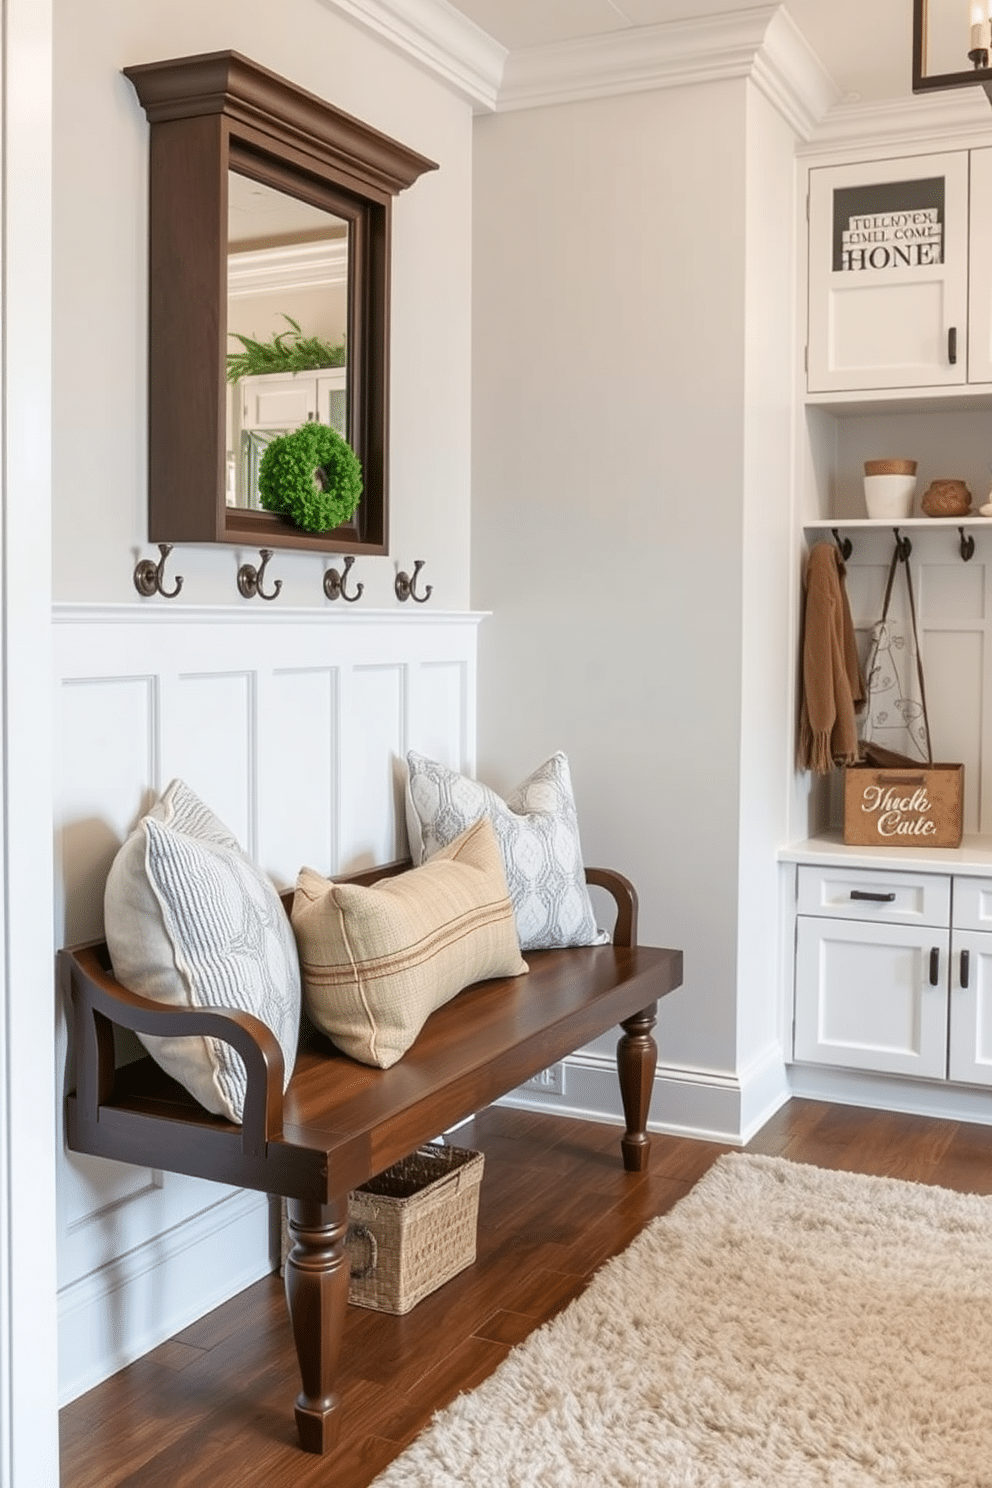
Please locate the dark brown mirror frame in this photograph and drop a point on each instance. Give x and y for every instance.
(210, 114)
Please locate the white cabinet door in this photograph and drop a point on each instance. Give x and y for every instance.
(970, 1047)
(871, 996)
(283, 401)
(980, 324)
(888, 274)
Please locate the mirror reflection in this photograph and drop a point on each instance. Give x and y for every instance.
(287, 322)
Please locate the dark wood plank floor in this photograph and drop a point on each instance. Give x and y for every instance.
(213, 1406)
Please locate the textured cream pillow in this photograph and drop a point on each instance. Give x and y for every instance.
(377, 961)
(537, 828)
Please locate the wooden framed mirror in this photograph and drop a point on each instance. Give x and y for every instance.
(264, 200)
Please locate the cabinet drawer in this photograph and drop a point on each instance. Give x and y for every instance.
(972, 903)
(899, 898)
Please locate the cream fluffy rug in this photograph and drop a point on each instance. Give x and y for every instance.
(783, 1325)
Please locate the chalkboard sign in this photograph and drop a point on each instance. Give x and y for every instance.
(892, 225)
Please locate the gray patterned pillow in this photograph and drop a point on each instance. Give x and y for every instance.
(538, 832)
(191, 921)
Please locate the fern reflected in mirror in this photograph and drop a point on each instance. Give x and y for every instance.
(285, 351)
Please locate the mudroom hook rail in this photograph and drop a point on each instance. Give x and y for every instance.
(966, 544)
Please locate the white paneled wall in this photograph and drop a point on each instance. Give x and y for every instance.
(293, 726)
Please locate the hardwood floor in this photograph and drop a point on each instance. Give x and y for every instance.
(213, 1406)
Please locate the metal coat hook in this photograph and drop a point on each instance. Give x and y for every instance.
(250, 578)
(843, 543)
(406, 585)
(334, 583)
(903, 545)
(967, 545)
(149, 576)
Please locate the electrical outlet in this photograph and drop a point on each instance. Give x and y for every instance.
(550, 1080)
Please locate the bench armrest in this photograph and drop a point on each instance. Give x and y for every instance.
(625, 897)
(100, 1001)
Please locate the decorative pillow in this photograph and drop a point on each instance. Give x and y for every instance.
(191, 921)
(538, 832)
(377, 961)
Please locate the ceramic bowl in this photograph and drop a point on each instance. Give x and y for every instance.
(888, 497)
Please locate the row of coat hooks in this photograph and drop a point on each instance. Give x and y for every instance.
(149, 579)
(905, 547)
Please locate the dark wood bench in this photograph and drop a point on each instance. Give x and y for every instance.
(340, 1122)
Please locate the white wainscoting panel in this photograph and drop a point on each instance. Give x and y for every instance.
(293, 726)
(209, 739)
(373, 700)
(299, 722)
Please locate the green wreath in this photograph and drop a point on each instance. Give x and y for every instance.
(311, 477)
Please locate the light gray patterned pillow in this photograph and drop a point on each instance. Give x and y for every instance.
(538, 832)
(191, 921)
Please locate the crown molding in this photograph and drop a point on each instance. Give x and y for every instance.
(437, 37)
(959, 118)
(294, 266)
(761, 44)
(634, 60)
(791, 76)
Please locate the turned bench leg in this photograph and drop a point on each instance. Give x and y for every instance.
(637, 1055)
(317, 1274)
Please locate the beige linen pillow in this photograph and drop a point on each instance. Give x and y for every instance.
(377, 961)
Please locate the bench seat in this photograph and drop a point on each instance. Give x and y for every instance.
(340, 1122)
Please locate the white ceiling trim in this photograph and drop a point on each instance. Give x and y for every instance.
(293, 266)
(954, 119)
(792, 77)
(762, 44)
(437, 37)
(635, 60)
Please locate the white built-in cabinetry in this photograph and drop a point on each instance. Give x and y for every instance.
(899, 282)
(893, 972)
(899, 364)
(284, 400)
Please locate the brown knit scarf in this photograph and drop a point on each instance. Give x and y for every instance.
(833, 687)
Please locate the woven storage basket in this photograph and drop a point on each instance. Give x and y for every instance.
(413, 1227)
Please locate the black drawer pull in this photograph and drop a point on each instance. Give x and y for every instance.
(965, 960)
(875, 898)
(952, 345)
(934, 966)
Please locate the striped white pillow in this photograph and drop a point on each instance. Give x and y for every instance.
(191, 921)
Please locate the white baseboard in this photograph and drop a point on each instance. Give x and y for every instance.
(121, 1311)
(707, 1104)
(892, 1093)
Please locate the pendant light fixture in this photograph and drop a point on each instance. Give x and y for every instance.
(952, 44)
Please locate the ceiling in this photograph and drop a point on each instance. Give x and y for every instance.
(865, 45)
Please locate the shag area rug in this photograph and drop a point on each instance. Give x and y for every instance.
(782, 1326)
